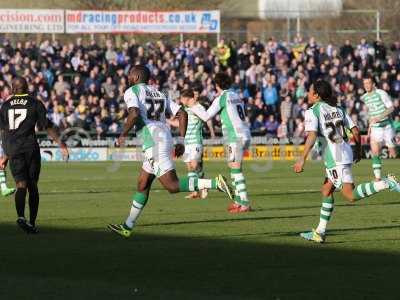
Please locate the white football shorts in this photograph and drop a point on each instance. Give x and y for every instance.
(384, 135)
(193, 152)
(339, 175)
(158, 159)
(236, 150)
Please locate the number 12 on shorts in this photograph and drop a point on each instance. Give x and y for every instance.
(16, 117)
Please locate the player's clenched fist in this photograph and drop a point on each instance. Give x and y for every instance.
(179, 150)
(298, 166)
(121, 141)
(3, 162)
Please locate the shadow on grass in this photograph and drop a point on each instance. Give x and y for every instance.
(332, 232)
(343, 204)
(74, 263)
(225, 220)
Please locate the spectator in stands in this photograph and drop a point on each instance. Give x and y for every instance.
(286, 109)
(99, 126)
(258, 126)
(363, 49)
(298, 108)
(108, 87)
(271, 125)
(282, 132)
(347, 50)
(243, 59)
(312, 48)
(252, 78)
(395, 88)
(270, 96)
(77, 87)
(286, 113)
(223, 52)
(61, 86)
(57, 116)
(380, 51)
(257, 108)
(298, 47)
(299, 131)
(111, 54)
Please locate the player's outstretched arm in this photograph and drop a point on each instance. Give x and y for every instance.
(204, 115)
(133, 115)
(4, 159)
(54, 134)
(201, 113)
(44, 123)
(350, 125)
(309, 144)
(182, 117)
(210, 126)
(357, 140)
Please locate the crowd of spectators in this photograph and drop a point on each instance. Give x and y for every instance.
(82, 85)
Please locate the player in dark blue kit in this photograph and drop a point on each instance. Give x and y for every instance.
(19, 116)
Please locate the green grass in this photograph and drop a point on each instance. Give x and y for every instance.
(191, 249)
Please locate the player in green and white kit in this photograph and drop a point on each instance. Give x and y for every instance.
(381, 131)
(147, 108)
(236, 134)
(193, 156)
(328, 123)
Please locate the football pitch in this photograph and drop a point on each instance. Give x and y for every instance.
(194, 249)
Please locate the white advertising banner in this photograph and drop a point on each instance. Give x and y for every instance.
(125, 154)
(75, 154)
(92, 21)
(32, 20)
